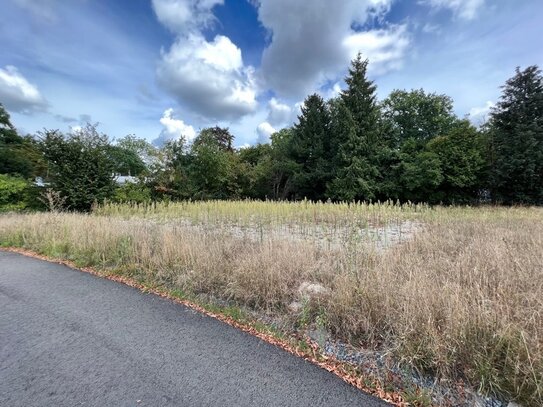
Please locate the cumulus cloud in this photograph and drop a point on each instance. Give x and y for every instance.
(208, 78)
(174, 129)
(304, 51)
(279, 113)
(332, 92)
(264, 131)
(464, 9)
(384, 48)
(19, 95)
(184, 15)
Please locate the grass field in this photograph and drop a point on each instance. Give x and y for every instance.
(454, 292)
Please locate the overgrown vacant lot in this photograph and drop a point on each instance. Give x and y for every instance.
(454, 292)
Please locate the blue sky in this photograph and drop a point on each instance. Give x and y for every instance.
(160, 69)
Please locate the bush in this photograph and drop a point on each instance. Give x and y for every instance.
(129, 192)
(15, 193)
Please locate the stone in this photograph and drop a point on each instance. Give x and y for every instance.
(308, 290)
(295, 307)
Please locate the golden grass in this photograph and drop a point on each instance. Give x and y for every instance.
(462, 298)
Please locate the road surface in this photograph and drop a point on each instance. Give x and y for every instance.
(68, 338)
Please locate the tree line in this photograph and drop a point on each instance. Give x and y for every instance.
(408, 147)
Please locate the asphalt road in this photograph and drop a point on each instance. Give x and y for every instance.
(68, 338)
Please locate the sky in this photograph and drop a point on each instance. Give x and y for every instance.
(164, 69)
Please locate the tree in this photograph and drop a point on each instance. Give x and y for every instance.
(141, 148)
(283, 166)
(356, 135)
(255, 171)
(417, 115)
(461, 155)
(216, 135)
(125, 161)
(80, 167)
(212, 170)
(18, 155)
(411, 119)
(517, 138)
(14, 193)
(169, 171)
(419, 173)
(310, 149)
(350, 162)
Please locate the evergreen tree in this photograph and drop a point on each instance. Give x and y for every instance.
(351, 163)
(311, 148)
(517, 139)
(359, 145)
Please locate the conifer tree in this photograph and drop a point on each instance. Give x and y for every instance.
(351, 164)
(310, 149)
(358, 168)
(517, 139)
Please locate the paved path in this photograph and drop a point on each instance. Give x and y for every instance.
(68, 338)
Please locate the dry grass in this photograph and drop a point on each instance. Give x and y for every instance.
(462, 298)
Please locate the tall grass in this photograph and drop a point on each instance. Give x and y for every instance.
(461, 298)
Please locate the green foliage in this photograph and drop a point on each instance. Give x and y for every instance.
(283, 166)
(420, 174)
(221, 137)
(212, 172)
(80, 166)
(255, 171)
(125, 161)
(357, 137)
(133, 192)
(310, 149)
(517, 139)
(353, 170)
(14, 193)
(18, 155)
(461, 156)
(361, 100)
(417, 115)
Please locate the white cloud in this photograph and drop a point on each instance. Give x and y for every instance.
(333, 92)
(384, 48)
(174, 129)
(479, 115)
(304, 51)
(279, 113)
(19, 95)
(208, 78)
(465, 9)
(264, 131)
(184, 15)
